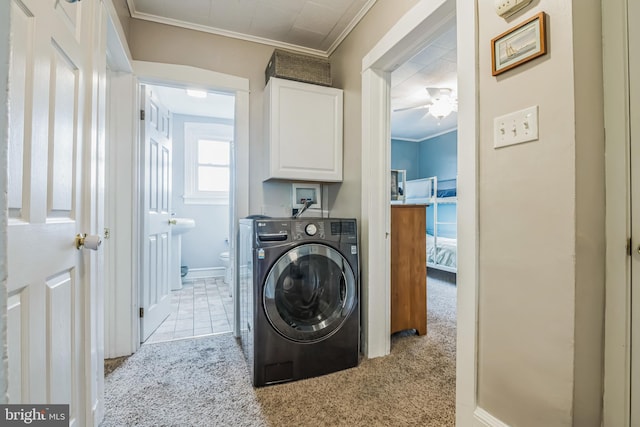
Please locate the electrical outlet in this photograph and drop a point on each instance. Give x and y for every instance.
(516, 128)
(506, 8)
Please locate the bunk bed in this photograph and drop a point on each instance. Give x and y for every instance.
(441, 235)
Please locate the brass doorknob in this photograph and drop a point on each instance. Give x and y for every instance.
(92, 242)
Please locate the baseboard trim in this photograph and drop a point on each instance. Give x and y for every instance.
(485, 419)
(203, 273)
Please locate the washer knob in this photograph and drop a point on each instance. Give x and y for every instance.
(311, 229)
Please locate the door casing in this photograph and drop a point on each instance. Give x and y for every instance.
(178, 76)
(617, 344)
(407, 37)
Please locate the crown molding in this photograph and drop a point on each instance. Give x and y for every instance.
(255, 39)
(355, 21)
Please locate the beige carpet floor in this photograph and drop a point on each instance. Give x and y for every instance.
(205, 382)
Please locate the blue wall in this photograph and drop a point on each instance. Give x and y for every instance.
(439, 156)
(404, 155)
(436, 156)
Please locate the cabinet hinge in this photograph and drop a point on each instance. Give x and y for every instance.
(629, 246)
(141, 114)
(141, 312)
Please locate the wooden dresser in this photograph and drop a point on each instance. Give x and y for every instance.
(408, 268)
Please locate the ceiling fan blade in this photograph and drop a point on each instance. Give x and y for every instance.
(436, 92)
(413, 107)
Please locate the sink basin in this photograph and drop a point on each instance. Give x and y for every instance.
(181, 225)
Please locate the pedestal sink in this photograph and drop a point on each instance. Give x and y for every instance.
(179, 226)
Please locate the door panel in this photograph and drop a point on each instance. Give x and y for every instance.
(156, 152)
(15, 348)
(21, 71)
(59, 313)
(63, 134)
(46, 286)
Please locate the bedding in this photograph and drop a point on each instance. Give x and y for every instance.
(447, 188)
(444, 254)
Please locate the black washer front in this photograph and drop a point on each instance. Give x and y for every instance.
(309, 293)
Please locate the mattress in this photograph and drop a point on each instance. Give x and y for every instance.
(444, 254)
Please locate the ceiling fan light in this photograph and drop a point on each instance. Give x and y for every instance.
(442, 107)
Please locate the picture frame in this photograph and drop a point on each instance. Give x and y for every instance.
(518, 45)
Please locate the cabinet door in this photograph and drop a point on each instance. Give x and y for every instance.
(303, 131)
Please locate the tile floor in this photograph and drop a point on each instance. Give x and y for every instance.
(201, 307)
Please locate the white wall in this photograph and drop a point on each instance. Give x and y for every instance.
(542, 226)
(201, 245)
(5, 9)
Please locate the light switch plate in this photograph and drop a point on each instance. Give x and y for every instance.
(516, 128)
(506, 8)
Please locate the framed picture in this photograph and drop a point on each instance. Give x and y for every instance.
(519, 45)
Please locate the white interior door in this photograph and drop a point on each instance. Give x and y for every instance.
(156, 193)
(48, 334)
(634, 120)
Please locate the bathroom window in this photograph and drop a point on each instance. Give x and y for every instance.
(207, 163)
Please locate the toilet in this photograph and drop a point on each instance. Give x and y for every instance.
(224, 258)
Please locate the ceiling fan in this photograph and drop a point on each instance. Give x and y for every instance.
(441, 103)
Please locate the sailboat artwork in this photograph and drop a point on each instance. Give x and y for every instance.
(518, 45)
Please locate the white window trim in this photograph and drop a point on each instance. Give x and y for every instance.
(193, 132)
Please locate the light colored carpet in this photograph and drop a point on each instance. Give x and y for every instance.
(205, 382)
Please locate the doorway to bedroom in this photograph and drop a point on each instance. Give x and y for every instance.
(424, 161)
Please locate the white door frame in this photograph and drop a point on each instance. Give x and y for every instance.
(617, 347)
(187, 76)
(178, 76)
(121, 299)
(416, 28)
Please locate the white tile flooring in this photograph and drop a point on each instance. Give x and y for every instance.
(201, 307)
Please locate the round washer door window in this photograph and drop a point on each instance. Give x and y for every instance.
(309, 292)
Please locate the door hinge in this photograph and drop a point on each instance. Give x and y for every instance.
(629, 246)
(141, 312)
(141, 114)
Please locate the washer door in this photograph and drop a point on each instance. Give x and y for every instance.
(309, 292)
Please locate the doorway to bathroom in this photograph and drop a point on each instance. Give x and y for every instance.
(128, 294)
(186, 145)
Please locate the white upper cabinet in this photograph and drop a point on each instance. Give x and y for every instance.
(303, 131)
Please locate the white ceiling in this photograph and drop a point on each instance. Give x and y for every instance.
(316, 27)
(434, 66)
(218, 105)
